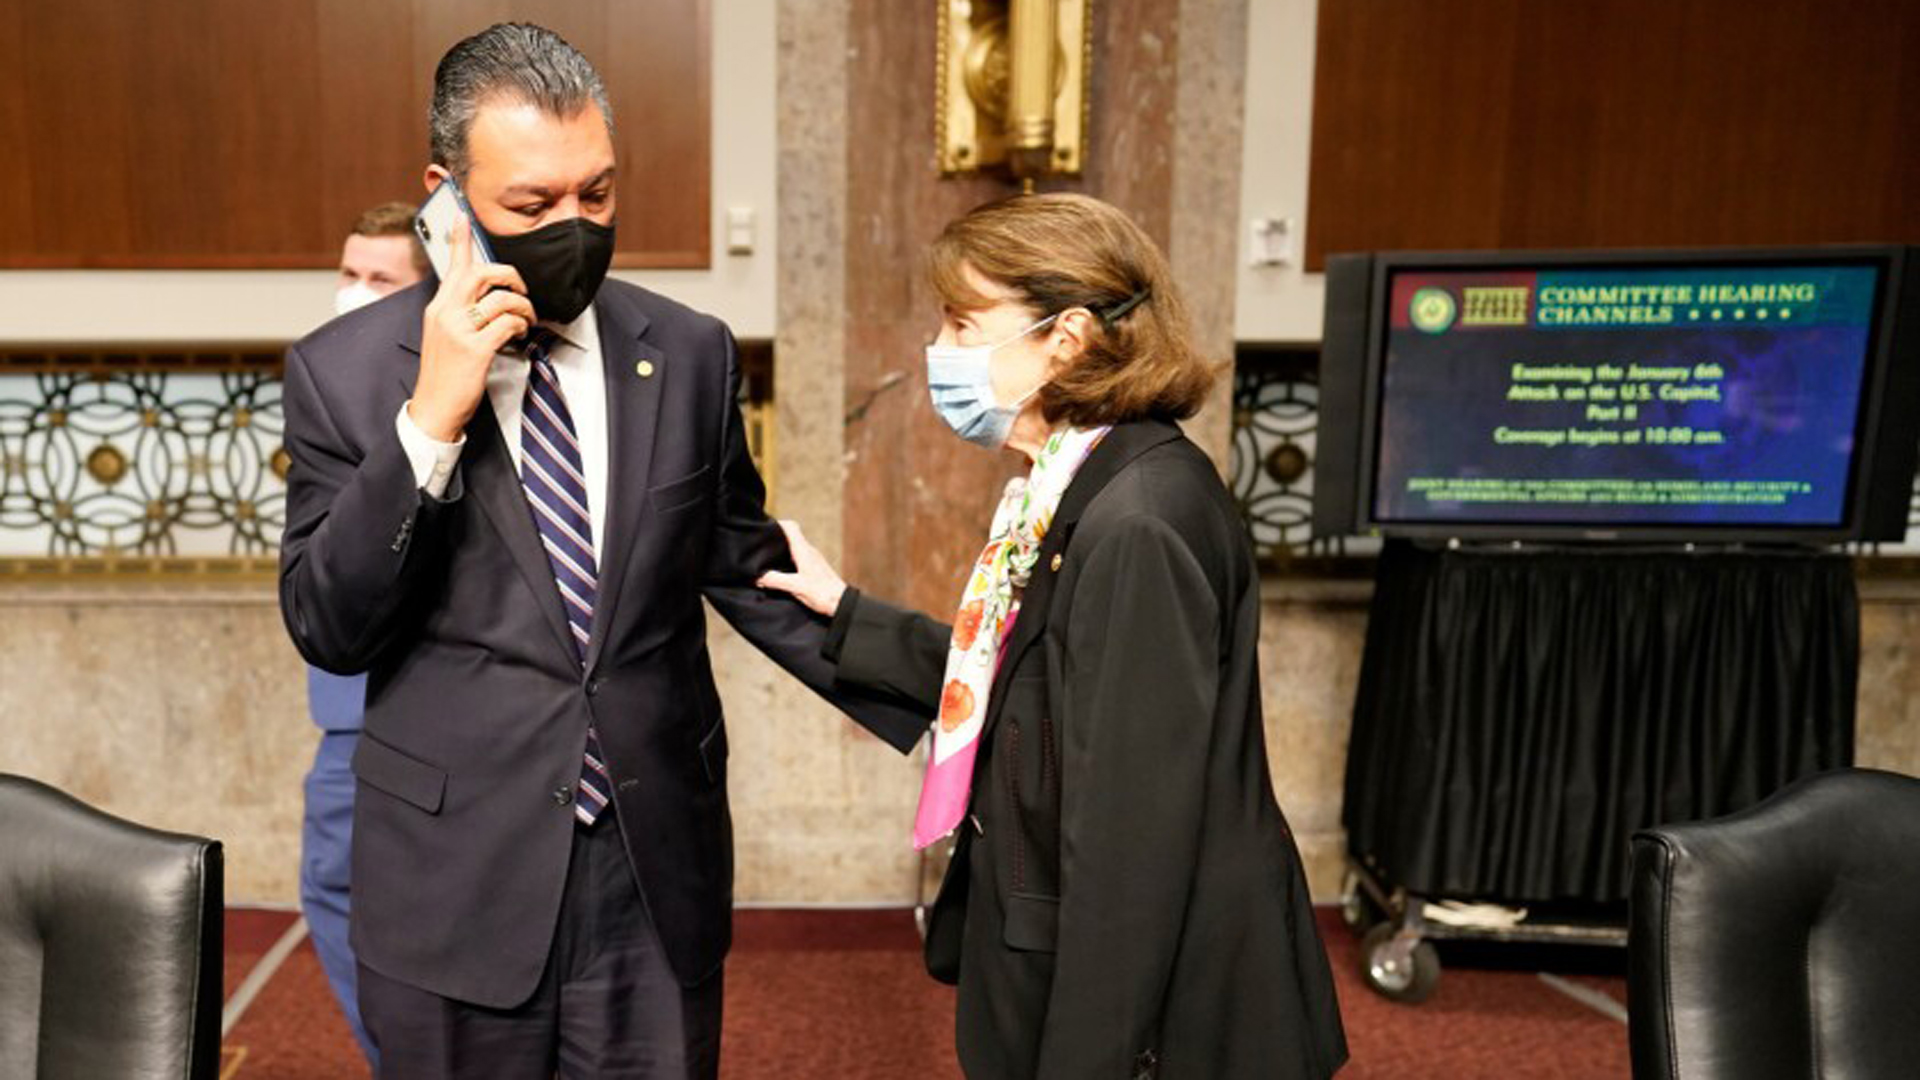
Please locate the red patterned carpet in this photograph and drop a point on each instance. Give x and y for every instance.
(841, 995)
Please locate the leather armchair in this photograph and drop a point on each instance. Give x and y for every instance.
(110, 943)
(1783, 940)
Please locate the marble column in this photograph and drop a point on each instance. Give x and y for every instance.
(1203, 235)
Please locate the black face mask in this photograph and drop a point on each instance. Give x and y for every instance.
(563, 265)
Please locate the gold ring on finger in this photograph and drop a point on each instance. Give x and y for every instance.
(477, 317)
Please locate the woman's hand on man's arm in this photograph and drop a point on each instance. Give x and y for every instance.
(813, 581)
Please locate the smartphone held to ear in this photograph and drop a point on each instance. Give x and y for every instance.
(435, 222)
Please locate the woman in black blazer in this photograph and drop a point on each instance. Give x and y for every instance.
(1125, 899)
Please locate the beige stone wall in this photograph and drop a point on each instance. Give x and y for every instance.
(1887, 733)
(822, 811)
(181, 707)
(1311, 634)
(184, 708)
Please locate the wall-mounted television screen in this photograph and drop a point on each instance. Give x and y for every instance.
(1713, 395)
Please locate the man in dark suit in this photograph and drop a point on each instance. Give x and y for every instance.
(510, 490)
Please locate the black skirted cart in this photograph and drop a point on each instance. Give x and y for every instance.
(1522, 711)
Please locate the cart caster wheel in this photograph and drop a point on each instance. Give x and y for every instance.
(1396, 971)
(1356, 907)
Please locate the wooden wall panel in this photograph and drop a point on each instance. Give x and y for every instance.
(76, 115)
(15, 206)
(383, 146)
(1503, 123)
(250, 133)
(657, 179)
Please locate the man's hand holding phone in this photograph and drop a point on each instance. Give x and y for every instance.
(479, 308)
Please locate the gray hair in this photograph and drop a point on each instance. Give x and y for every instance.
(518, 61)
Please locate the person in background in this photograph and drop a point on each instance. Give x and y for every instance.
(1125, 898)
(379, 258)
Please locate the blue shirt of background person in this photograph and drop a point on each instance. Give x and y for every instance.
(336, 703)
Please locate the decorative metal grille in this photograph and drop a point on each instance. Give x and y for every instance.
(141, 464)
(1276, 419)
(172, 461)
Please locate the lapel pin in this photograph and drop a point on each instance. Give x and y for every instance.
(644, 369)
(1057, 560)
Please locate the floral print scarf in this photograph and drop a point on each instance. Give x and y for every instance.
(988, 609)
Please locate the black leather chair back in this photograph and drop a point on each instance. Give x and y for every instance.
(110, 943)
(1781, 941)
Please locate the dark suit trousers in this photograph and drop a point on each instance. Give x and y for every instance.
(608, 1005)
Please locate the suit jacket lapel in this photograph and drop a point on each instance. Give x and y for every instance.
(486, 470)
(633, 414)
(488, 473)
(1124, 443)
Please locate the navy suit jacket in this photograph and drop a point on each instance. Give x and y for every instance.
(477, 704)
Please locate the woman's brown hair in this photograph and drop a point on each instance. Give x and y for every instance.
(1059, 251)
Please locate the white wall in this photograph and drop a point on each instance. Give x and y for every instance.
(270, 306)
(1278, 304)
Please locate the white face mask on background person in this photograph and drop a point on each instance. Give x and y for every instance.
(353, 297)
(960, 380)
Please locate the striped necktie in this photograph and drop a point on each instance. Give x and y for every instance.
(556, 485)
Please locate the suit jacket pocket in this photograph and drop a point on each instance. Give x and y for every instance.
(1033, 922)
(682, 493)
(399, 774)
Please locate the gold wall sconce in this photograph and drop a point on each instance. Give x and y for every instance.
(1013, 86)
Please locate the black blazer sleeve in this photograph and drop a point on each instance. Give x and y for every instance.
(359, 531)
(745, 544)
(890, 649)
(1141, 674)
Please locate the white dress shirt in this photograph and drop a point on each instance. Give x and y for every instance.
(583, 382)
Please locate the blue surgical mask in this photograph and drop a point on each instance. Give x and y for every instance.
(960, 379)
